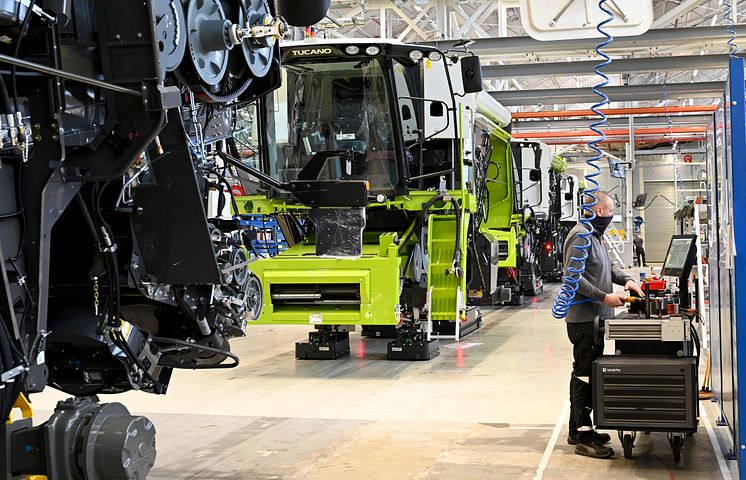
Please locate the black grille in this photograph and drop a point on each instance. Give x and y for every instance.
(502, 250)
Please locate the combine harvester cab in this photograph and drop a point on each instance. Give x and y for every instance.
(370, 172)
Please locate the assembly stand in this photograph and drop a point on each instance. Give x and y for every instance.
(412, 344)
(328, 342)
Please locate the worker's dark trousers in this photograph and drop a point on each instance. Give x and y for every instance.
(584, 351)
(641, 257)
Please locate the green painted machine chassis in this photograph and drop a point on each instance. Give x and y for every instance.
(378, 271)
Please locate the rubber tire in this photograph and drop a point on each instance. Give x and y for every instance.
(627, 445)
(676, 446)
(303, 13)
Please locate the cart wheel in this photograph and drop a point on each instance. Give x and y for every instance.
(628, 444)
(676, 446)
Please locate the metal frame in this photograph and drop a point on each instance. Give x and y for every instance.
(736, 98)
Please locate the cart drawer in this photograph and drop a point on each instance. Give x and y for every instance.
(645, 393)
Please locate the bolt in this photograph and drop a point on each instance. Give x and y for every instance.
(118, 37)
(139, 35)
(55, 137)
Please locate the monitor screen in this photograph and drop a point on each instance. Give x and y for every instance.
(680, 256)
(640, 201)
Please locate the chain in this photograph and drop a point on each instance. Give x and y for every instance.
(95, 295)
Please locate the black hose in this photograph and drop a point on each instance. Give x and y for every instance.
(7, 106)
(114, 287)
(197, 346)
(17, 50)
(10, 215)
(230, 190)
(256, 252)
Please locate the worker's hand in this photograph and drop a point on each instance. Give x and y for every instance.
(615, 300)
(631, 286)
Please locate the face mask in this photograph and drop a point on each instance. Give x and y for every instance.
(601, 223)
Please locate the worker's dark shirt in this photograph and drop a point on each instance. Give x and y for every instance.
(598, 279)
(637, 241)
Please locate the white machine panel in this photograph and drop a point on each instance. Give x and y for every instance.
(571, 19)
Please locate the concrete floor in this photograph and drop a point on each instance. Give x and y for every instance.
(486, 408)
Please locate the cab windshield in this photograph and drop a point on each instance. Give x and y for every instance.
(333, 107)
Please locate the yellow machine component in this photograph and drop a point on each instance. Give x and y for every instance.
(24, 406)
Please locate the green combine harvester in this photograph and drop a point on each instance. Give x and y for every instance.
(386, 164)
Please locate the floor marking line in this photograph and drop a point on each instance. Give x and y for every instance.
(552, 441)
(724, 470)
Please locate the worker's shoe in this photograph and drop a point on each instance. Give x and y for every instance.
(600, 438)
(588, 446)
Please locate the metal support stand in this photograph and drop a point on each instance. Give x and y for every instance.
(328, 342)
(412, 344)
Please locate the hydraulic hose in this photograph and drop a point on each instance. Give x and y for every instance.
(576, 266)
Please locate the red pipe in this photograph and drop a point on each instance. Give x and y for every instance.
(621, 132)
(623, 140)
(617, 111)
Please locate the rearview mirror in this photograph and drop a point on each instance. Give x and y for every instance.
(471, 73)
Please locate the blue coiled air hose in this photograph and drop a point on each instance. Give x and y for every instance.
(731, 28)
(576, 267)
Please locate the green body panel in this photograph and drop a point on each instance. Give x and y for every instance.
(502, 185)
(446, 290)
(376, 272)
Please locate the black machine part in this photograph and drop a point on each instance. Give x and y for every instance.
(339, 231)
(306, 12)
(110, 443)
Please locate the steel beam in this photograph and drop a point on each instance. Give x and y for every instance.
(624, 93)
(677, 12)
(653, 39)
(622, 65)
(619, 122)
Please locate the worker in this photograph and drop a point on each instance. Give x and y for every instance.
(595, 298)
(639, 251)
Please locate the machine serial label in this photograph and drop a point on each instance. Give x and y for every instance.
(396, 349)
(345, 136)
(315, 318)
(323, 349)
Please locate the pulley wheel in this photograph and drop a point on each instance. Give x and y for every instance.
(208, 42)
(417, 263)
(253, 298)
(240, 274)
(258, 53)
(170, 33)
